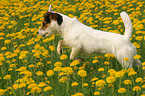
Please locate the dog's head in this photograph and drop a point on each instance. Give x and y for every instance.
(50, 23)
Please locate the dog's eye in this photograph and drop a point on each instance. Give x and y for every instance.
(44, 24)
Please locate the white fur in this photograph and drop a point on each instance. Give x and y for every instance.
(83, 39)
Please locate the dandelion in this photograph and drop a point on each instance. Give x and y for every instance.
(94, 79)
(139, 79)
(36, 89)
(75, 62)
(50, 73)
(39, 73)
(15, 86)
(57, 69)
(127, 82)
(121, 90)
(7, 77)
(82, 73)
(85, 84)
(67, 70)
(63, 79)
(100, 83)
(31, 66)
(79, 94)
(136, 88)
(52, 48)
(95, 61)
(48, 88)
(110, 79)
(96, 93)
(143, 86)
(74, 84)
(101, 69)
(58, 64)
(119, 74)
(48, 62)
(126, 59)
(32, 85)
(2, 91)
(106, 63)
(63, 57)
(7, 41)
(137, 57)
(41, 84)
(21, 85)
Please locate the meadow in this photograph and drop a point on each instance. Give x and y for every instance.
(30, 64)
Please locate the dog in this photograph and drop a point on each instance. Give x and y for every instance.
(84, 39)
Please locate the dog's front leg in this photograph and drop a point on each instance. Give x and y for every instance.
(59, 46)
(74, 52)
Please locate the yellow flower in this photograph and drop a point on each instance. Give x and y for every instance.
(52, 48)
(143, 86)
(97, 93)
(67, 70)
(50, 73)
(63, 79)
(36, 89)
(136, 88)
(121, 90)
(127, 82)
(101, 69)
(15, 86)
(137, 57)
(106, 63)
(41, 84)
(3, 48)
(74, 84)
(126, 59)
(58, 64)
(85, 84)
(74, 63)
(39, 73)
(100, 83)
(94, 79)
(82, 73)
(57, 69)
(112, 72)
(21, 85)
(95, 61)
(119, 74)
(32, 85)
(79, 94)
(48, 62)
(7, 41)
(7, 77)
(47, 88)
(31, 66)
(110, 79)
(63, 57)
(2, 91)
(139, 79)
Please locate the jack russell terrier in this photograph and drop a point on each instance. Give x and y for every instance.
(84, 39)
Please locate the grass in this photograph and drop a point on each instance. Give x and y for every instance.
(31, 66)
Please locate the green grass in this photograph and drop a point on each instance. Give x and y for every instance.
(27, 47)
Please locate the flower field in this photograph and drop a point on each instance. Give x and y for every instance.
(30, 64)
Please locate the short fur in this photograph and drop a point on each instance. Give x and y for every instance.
(84, 39)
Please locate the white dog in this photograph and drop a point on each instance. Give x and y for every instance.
(83, 39)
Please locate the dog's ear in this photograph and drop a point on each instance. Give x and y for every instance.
(59, 19)
(50, 10)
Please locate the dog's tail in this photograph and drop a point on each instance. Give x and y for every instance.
(127, 24)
